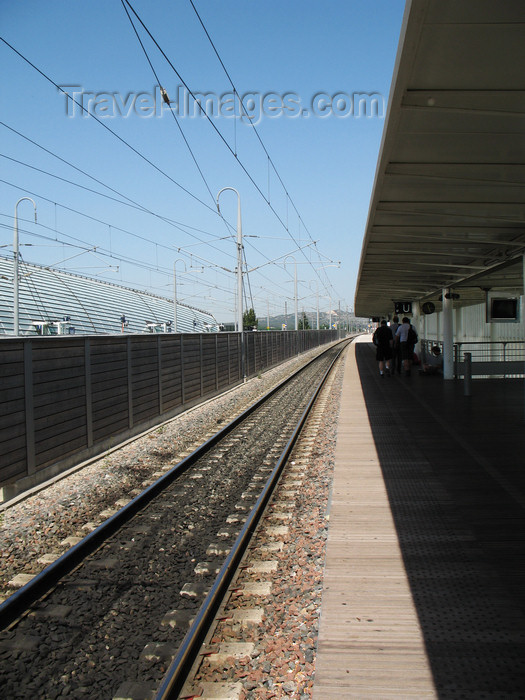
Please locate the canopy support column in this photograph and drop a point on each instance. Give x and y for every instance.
(448, 336)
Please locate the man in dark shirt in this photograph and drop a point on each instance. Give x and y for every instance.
(383, 340)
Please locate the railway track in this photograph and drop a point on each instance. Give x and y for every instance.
(116, 609)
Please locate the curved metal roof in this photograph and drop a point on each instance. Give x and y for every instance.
(93, 306)
(448, 204)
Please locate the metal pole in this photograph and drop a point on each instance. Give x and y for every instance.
(467, 377)
(239, 270)
(448, 339)
(174, 297)
(175, 291)
(16, 303)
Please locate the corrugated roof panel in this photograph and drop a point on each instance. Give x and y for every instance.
(93, 306)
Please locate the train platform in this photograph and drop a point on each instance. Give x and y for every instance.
(424, 587)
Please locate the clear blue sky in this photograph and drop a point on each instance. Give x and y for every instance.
(286, 52)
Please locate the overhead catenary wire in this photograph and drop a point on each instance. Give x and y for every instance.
(129, 201)
(86, 247)
(172, 248)
(255, 130)
(178, 225)
(225, 142)
(105, 126)
(218, 132)
(135, 150)
(166, 99)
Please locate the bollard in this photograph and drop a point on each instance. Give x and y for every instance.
(467, 377)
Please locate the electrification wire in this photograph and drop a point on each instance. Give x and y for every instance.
(69, 182)
(221, 136)
(123, 140)
(124, 259)
(124, 2)
(172, 112)
(128, 145)
(179, 226)
(114, 133)
(132, 202)
(63, 160)
(219, 133)
(165, 96)
(270, 160)
(117, 228)
(235, 91)
(88, 248)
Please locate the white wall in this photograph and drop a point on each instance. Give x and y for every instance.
(470, 325)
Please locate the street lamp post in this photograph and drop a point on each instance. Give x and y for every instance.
(16, 318)
(175, 291)
(239, 254)
(239, 270)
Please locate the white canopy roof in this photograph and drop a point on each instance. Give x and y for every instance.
(448, 205)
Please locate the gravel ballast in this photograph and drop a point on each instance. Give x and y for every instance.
(283, 663)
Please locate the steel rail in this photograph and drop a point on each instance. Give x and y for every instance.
(181, 665)
(20, 601)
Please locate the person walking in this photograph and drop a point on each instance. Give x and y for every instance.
(383, 340)
(406, 333)
(396, 350)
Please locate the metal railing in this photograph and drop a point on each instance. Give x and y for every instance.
(496, 358)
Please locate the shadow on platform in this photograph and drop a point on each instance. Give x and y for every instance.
(454, 469)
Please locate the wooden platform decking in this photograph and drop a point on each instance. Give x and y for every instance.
(424, 588)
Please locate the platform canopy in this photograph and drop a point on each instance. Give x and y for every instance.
(448, 204)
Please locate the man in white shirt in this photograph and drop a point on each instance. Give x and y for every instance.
(406, 344)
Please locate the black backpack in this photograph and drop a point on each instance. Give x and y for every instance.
(412, 336)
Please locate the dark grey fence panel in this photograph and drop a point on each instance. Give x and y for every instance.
(191, 365)
(12, 410)
(249, 366)
(144, 378)
(223, 359)
(209, 374)
(65, 399)
(109, 382)
(235, 359)
(258, 360)
(171, 374)
(59, 399)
